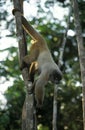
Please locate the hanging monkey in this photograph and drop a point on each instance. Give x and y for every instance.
(40, 60)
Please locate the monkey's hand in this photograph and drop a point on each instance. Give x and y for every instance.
(23, 65)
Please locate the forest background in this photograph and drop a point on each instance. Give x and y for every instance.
(44, 16)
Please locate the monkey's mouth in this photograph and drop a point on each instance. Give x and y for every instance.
(56, 81)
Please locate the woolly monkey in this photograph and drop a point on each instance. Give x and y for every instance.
(41, 58)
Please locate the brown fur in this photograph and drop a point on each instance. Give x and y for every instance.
(40, 54)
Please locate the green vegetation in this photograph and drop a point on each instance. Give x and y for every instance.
(69, 90)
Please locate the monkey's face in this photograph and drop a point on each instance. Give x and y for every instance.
(55, 77)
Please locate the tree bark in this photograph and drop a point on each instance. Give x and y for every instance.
(81, 51)
(28, 109)
(55, 108)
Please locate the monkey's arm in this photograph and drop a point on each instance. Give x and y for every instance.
(32, 57)
(39, 88)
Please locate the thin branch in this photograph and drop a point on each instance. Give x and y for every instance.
(60, 63)
(55, 108)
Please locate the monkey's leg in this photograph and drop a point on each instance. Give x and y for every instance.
(28, 59)
(34, 52)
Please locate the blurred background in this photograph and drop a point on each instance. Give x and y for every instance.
(50, 19)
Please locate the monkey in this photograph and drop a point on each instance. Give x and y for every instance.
(41, 60)
(40, 55)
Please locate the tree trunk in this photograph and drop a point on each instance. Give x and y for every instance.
(81, 52)
(28, 109)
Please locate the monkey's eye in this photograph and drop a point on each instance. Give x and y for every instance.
(53, 78)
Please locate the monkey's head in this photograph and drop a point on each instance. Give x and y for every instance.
(55, 76)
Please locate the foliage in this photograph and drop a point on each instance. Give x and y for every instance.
(69, 90)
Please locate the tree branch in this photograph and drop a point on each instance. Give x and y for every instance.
(28, 109)
(81, 51)
(60, 63)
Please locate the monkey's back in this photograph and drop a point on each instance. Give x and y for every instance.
(45, 58)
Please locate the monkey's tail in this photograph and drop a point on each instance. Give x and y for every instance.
(30, 30)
